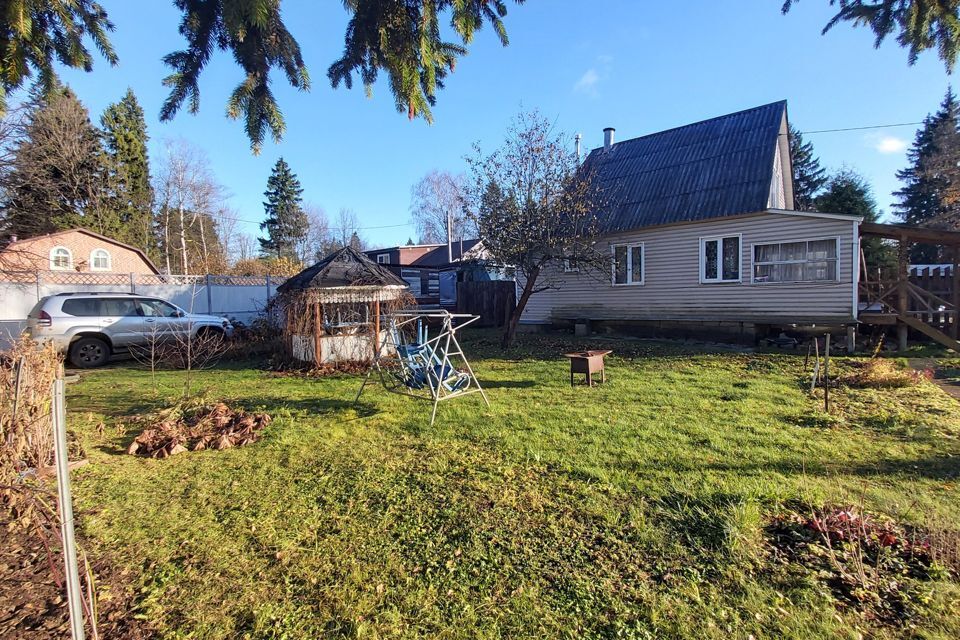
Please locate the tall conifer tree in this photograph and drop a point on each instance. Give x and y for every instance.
(849, 193)
(931, 183)
(286, 224)
(808, 176)
(125, 139)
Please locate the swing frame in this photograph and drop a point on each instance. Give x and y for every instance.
(433, 349)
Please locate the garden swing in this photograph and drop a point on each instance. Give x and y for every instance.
(424, 366)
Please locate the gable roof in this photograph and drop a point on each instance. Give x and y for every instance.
(711, 169)
(345, 267)
(93, 234)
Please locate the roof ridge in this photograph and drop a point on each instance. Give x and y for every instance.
(694, 124)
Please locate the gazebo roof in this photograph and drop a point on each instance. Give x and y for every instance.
(344, 268)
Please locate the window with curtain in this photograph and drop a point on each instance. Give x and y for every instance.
(800, 261)
(627, 263)
(720, 259)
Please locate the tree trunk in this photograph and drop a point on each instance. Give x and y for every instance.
(166, 237)
(184, 267)
(511, 330)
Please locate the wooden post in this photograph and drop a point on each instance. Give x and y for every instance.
(376, 329)
(903, 278)
(826, 376)
(851, 338)
(955, 292)
(317, 328)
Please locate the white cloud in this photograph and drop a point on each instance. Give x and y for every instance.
(890, 144)
(588, 82)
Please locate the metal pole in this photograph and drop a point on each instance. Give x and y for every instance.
(74, 596)
(826, 376)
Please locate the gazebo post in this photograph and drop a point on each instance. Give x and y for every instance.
(376, 328)
(317, 324)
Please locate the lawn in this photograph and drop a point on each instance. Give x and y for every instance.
(643, 508)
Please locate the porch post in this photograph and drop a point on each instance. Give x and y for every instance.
(903, 278)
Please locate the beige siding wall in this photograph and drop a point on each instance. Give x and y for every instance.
(672, 288)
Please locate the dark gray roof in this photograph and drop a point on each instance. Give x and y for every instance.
(343, 268)
(438, 257)
(711, 169)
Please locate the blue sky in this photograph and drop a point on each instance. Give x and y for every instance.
(638, 66)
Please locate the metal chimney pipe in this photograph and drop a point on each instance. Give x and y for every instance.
(608, 138)
(576, 142)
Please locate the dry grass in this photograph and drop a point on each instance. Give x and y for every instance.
(882, 373)
(26, 433)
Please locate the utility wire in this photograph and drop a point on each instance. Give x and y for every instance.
(874, 126)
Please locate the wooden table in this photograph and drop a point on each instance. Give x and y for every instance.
(587, 363)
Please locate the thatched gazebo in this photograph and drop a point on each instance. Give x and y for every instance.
(331, 311)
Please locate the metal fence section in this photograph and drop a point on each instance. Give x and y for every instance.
(236, 297)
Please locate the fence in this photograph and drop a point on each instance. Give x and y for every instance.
(492, 300)
(239, 297)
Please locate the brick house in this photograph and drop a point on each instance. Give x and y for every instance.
(74, 250)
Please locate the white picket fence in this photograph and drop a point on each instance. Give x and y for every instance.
(239, 297)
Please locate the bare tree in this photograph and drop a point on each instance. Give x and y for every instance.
(346, 231)
(244, 247)
(536, 207)
(319, 240)
(437, 200)
(189, 198)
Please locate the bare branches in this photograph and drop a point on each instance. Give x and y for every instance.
(438, 197)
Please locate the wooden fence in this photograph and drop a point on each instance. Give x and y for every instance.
(492, 300)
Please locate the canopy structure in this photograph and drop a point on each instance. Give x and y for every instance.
(332, 309)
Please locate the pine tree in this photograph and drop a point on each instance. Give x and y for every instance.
(58, 174)
(848, 192)
(931, 182)
(808, 176)
(125, 138)
(286, 224)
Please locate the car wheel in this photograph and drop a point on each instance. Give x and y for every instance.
(89, 352)
(210, 336)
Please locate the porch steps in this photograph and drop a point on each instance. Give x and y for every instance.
(930, 332)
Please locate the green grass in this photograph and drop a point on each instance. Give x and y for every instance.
(636, 509)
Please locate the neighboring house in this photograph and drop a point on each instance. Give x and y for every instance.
(74, 250)
(703, 237)
(428, 269)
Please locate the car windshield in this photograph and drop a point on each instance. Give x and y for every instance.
(159, 309)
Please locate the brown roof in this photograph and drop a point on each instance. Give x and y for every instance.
(93, 234)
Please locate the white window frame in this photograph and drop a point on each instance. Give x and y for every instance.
(93, 263)
(570, 266)
(613, 264)
(54, 266)
(703, 259)
(754, 263)
(383, 258)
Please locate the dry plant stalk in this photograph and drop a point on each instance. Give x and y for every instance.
(26, 431)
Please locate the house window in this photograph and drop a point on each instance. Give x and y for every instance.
(627, 264)
(720, 259)
(570, 266)
(61, 259)
(383, 258)
(100, 260)
(803, 261)
(412, 278)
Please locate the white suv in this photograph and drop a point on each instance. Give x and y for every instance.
(90, 327)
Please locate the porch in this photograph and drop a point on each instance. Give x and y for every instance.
(924, 299)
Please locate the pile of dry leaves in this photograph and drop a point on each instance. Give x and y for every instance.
(193, 426)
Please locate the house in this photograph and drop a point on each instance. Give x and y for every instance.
(75, 250)
(431, 270)
(704, 239)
